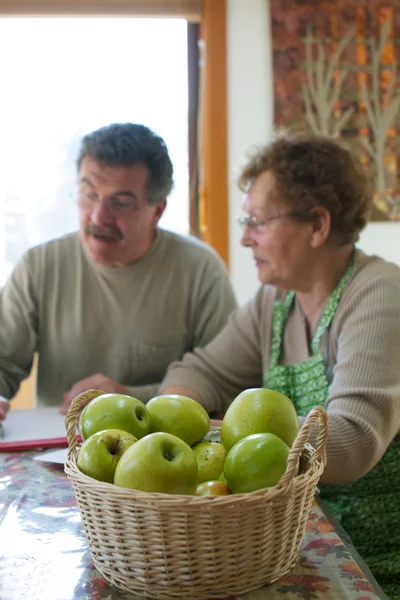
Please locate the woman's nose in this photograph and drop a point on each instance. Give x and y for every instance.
(246, 240)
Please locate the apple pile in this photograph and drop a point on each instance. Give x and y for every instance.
(166, 446)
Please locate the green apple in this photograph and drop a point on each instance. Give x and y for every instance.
(114, 411)
(259, 410)
(210, 458)
(213, 488)
(256, 461)
(159, 462)
(180, 416)
(222, 477)
(100, 453)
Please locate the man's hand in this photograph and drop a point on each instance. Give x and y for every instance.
(98, 381)
(4, 408)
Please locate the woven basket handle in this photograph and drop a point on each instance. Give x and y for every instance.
(72, 415)
(316, 414)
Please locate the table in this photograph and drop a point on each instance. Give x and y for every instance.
(44, 554)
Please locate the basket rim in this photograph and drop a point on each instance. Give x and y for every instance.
(72, 471)
(284, 487)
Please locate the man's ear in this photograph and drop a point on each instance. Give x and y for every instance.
(321, 225)
(159, 211)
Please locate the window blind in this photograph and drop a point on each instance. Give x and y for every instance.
(185, 9)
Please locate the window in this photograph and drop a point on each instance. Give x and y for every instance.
(63, 77)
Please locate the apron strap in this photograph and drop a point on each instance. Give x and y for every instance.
(331, 307)
(281, 314)
(279, 318)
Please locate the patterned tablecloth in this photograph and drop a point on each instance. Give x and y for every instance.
(44, 554)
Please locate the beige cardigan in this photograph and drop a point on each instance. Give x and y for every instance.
(362, 357)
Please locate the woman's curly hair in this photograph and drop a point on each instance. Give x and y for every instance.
(315, 170)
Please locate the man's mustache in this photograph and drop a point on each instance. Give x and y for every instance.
(107, 232)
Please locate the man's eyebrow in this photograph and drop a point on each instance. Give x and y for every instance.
(119, 193)
(126, 193)
(86, 180)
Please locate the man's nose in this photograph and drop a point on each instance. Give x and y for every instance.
(101, 213)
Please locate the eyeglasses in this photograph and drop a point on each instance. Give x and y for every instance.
(257, 224)
(117, 206)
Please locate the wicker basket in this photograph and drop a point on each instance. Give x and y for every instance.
(173, 546)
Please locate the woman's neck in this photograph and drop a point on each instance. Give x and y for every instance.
(323, 278)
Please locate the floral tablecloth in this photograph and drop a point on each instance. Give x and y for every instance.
(44, 554)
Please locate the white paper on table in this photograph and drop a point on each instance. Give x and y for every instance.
(54, 456)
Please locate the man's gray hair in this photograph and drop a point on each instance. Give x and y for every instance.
(129, 144)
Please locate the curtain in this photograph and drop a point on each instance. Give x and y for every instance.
(193, 33)
(185, 9)
(213, 184)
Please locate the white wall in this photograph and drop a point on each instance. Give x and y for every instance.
(250, 121)
(250, 118)
(382, 239)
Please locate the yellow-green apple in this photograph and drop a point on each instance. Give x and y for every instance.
(159, 462)
(114, 411)
(100, 453)
(222, 477)
(180, 416)
(256, 461)
(210, 458)
(213, 488)
(259, 410)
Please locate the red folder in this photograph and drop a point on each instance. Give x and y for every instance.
(20, 446)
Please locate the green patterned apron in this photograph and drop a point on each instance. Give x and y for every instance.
(369, 509)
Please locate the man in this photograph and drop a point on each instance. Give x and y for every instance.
(112, 306)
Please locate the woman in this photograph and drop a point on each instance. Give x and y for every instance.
(324, 329)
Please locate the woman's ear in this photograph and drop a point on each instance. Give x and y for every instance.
(321, 225)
